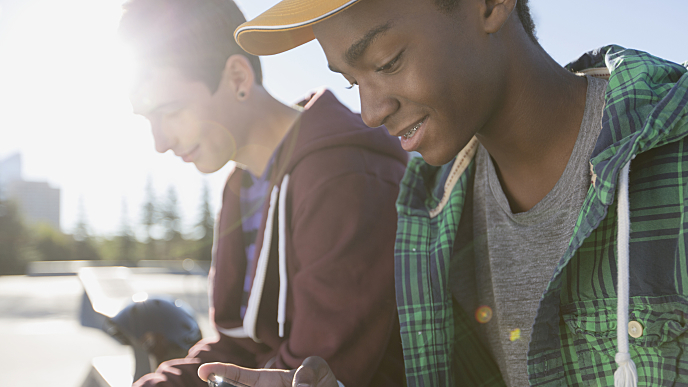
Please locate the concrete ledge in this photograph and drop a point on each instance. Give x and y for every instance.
(57, 268)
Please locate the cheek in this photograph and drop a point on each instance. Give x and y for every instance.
(451, 97)
(218, 141)
(434, 79)
(185, 125)
(436, 91)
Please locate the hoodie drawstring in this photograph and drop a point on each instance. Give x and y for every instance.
(282, 253)
(251, 316)
(277, 196)
(626, 375)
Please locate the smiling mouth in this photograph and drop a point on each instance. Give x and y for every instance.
(187, 156)
(413, 129)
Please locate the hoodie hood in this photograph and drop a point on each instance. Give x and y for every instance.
(642, 112)
(344, 128)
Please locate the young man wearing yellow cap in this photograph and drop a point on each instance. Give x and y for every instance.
(526, 251)
(300, 265)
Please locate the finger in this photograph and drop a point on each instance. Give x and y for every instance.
(251, 377)
(314, 372)
(228, 371)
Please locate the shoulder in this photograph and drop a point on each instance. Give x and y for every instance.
(328, 164)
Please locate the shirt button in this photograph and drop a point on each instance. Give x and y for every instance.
(635, 329)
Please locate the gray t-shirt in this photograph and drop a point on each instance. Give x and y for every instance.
(516, 254)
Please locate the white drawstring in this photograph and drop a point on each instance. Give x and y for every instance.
(251, 316)
(626, 375)
(282, 249)
(278, 195)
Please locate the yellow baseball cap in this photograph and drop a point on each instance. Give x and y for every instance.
(286, 25)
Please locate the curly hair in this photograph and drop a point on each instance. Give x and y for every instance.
(194, 36)
(522, 10)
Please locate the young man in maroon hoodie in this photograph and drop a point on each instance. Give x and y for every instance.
(303, 254)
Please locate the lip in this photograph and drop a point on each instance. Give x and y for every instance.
(190, 155)
(411, 144)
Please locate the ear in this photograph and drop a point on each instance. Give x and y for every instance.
(238, 76)
(497, 13)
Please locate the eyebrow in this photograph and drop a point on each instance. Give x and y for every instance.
(157, 108)
(356, 51)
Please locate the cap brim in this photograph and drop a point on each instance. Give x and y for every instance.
(286, 25)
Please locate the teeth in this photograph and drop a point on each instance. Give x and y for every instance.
(413, 130)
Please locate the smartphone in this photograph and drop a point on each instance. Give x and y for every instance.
(219, 381)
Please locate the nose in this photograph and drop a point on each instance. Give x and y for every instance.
(376, 105)
(163, 141)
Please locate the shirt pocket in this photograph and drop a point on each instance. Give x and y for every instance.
(660, 350)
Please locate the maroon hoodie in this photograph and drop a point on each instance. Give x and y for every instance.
(337, 181)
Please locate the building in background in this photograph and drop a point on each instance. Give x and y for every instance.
(10, 171)
(37, 200)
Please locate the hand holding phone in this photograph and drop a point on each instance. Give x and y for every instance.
(313, 371)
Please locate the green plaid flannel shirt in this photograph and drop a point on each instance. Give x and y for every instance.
(573, 340)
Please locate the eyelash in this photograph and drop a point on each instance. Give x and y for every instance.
(390, 64)
(383, 68)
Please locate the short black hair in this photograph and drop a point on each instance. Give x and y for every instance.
(522, 9)
(194, 36)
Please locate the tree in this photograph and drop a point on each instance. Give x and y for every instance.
(12, 237)
(171, 220)
(205, 226)
(125, 239)
(150, 215)
(81, 232)
(52, 245)
(84, 248)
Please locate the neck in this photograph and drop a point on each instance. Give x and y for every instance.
(271, 122)
(532, 136)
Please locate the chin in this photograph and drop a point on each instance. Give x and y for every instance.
(204, 168)
(442, 155)
(437, 160)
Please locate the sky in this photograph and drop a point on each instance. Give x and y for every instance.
(64, 80)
